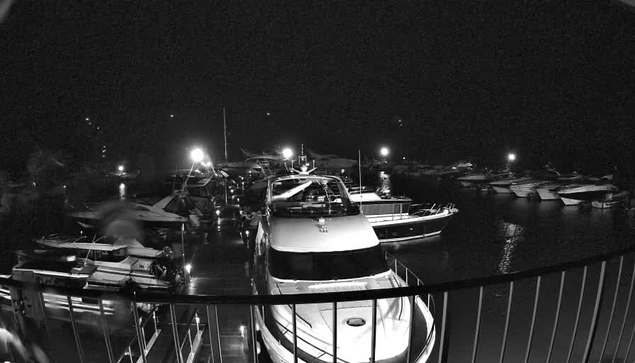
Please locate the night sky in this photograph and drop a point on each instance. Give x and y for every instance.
(551, 80)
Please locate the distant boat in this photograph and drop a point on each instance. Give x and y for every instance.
(548, 191)
(610, 200)
(577, 193)
(525, 188)
(166, 213)
(502, 186)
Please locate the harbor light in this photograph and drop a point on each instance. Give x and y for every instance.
(188, 268)
(120, 168)
(287, 153)
(197, 155)
(384, 151)
(511, 157)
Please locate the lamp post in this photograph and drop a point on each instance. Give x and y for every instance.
(287, 153)
(511, 157)
(197, 156)
(384, 152)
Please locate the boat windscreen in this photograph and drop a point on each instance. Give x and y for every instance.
(319, 266)
(313, 197)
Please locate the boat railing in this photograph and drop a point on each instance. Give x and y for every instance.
(427, 209)
(574, 311)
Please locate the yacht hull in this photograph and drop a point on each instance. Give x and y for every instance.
(570, 201)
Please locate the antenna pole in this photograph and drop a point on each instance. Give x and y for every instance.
(359, 166)
(225, 133)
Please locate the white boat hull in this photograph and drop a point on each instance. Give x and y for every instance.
(546, 194)
(281, 354)
(522, 192)
(570, 201)
(501, 190)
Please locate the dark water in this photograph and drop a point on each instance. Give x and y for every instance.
(496, 233)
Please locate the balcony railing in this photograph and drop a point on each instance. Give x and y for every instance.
(578, 311)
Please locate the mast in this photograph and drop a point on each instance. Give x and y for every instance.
(359, 166)
(225, 133)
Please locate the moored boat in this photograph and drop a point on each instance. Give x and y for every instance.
(576, 194)
(611, 200)
(312, 239)
(397, 219)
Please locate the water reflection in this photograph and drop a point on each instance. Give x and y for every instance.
(513, 234)
(122, 191)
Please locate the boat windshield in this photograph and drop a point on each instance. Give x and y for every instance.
(327, 265)
(314, 197)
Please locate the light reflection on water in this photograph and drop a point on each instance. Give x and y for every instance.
(122, 191)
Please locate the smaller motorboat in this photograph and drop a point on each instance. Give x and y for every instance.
(397, 219)
(611, 200)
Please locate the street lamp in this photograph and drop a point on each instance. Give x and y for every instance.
(384, 151)
(287, 153)
(120, 168)
(197, 156)
(511, 157)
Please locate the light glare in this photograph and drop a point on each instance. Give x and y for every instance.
(384, 151)
(287, 153)
(197, 155)
(511, 157)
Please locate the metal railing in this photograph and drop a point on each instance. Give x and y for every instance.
(578, 311)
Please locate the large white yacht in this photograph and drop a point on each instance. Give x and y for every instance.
(575, 194)
(312, 239)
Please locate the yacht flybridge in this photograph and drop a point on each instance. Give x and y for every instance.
(312, 239)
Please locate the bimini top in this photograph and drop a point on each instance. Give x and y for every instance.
(322, 234)
(311, 213)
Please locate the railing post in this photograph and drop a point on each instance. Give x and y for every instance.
(596, 309)
(557, 317)
(254, 341)
(335, 332)
(214, 334)
(45, 320)
(533, 318)
(373, 333)
(413, 302)
(104, 330)
(175, 332)
(626, 311)
(617, 289)
(78, 342)
(142, 347)
(295, 334)
(577, 315)
(478, 323)
(506, 329)
(443, 343)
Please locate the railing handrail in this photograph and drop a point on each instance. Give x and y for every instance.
(312, 298)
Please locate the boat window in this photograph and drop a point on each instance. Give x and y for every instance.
(314, 197)
(327, 265)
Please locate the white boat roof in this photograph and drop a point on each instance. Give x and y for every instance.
(81, 245)
(365, 197)
(163, 202)
(304, 235)
(144, 252)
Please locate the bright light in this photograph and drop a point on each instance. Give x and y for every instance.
(197, 155)
(208, 164)
(384, 151)
(246, 233)
(287, 153)
(218, 212)
(120, 168)
(188, 268)
(511, 157)
(87, 119)
(171, 115)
